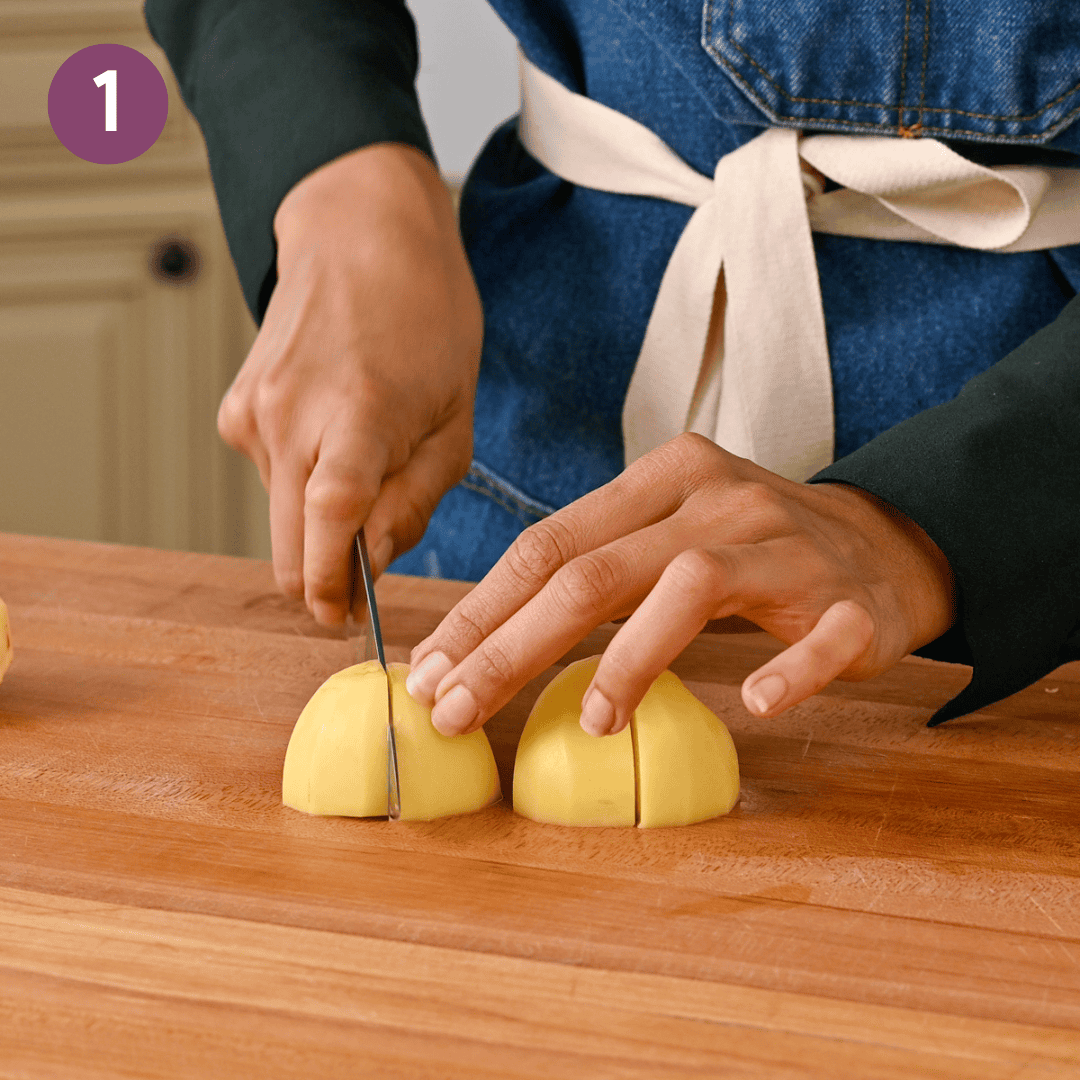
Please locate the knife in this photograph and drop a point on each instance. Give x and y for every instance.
(393, 790)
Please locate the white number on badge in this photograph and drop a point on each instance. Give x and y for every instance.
(108, 80)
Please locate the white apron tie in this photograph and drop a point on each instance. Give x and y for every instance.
(766, 393)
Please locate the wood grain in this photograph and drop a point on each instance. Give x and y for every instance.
(885, 900)
(523, 1015)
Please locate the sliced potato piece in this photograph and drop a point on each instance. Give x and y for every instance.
(439, 775)
(564, 776)
(336, 759)
(687, 768)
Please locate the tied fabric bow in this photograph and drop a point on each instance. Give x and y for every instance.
(765, 391)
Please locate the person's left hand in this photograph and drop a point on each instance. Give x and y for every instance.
(687, 534)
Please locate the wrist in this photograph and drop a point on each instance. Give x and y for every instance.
(391, 176)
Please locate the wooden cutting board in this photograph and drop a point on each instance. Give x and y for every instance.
(885, 900)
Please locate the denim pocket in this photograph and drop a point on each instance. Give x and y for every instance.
(990, 70)
(483, 481)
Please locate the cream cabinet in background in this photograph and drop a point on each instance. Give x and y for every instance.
(121, 320)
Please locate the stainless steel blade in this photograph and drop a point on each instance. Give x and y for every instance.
(393, 788)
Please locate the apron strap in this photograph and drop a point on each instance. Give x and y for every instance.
(766, 391)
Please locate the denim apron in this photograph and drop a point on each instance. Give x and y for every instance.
(568, 275)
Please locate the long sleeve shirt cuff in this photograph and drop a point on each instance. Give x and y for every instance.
(280, 89)
(993, 477)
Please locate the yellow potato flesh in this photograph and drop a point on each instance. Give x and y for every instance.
(674, 764)
(687, 768)
(6, 651)
(336, 759)
(563, 775)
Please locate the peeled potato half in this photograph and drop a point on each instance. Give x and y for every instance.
(6, 651)
(674, 764)
(336, 760)
(562, 774)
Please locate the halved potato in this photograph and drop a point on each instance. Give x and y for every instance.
(674, 764)
(336, 759)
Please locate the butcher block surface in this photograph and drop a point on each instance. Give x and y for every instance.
(884, 901)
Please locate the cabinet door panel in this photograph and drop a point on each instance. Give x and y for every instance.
(111, 374)
(58, 390)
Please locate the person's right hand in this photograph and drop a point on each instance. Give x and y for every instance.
(356, 400)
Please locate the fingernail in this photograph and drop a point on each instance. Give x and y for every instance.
(426, 676)
(455, 711)
(597, 714)
(767, 692)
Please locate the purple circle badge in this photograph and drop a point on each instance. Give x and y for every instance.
(108, 104)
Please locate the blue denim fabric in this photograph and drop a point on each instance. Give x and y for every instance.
(568, 275)
(951, 69)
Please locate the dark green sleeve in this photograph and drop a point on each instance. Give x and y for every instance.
(280, 87)
(993, 477)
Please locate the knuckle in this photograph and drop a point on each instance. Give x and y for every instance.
(683, 458)
(824, 659)
(694, 447)
(592, 581)
(760, 507)
(325, 587)
(235, 421)
(465, 631)
(697, 572)
(538, 552)
(848, 630)
(820, 648)
(271, 410)
(694, 453)
(755, 496)
(856, 620)
(334, 497)
(493, 666)
(290, 582)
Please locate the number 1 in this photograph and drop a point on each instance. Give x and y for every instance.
(108, 80)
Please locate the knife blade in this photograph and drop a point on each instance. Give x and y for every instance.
(393, 788)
